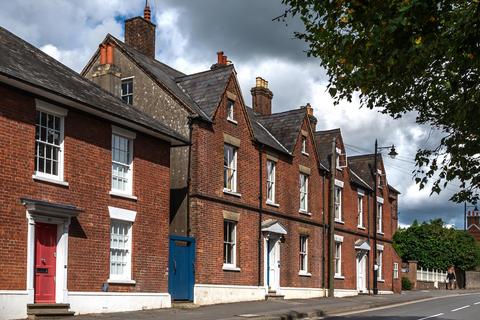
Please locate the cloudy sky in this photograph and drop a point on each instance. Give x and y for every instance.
(190, 32)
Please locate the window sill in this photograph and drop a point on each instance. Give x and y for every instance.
(339, 221)
(338, 277)
(122, 195)
(304, 274)
(304, 212)
(230, 268)
(273, 204)
(380, 233)
(120, 281)
(232, 121)
(49, 180)
(361, 227)
(305, 154)
(380, 280)
(232, 193)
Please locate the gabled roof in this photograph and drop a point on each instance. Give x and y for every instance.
(206, 88)
(284, 126)
(159, 72)
(323, 140)
(391, 188)
(20, 62)
(363, 167)
(261, 133)
(354, 178)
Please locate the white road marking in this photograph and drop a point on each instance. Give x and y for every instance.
(460, 308)
(435, 315)
(477, 303)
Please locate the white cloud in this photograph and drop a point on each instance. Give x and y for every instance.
(70, 31)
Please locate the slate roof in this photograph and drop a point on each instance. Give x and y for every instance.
(162, 73)
(284, 126)
(206, 88)
(354, 178)
(323, 140)
(363, 167)
(24, 62)
(261, 133)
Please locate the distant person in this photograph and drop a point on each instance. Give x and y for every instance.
(451, 279)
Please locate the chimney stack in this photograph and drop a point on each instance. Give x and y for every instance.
(313, 120)
(262, 97)
(107, 75)
(140, 33)
(221, 61)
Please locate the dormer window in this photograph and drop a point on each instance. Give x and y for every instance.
(230, 109)
(127, 90)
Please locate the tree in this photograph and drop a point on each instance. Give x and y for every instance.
(436, 247)
(402, 56)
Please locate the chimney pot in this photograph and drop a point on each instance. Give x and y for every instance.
(261, 97)
(109, 53)
(103, 54)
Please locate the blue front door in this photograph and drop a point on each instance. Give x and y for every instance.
(181, 268)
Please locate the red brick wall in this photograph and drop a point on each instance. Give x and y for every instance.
(88, 172)
(207, 214)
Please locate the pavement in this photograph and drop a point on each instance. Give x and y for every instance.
(317, 308)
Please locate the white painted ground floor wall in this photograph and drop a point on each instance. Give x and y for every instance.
(205, 294)
(13, 304)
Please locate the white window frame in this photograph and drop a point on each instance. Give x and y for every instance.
(130, 137)
(52, 110)
(379, 179)
(303, 255)
(129, 79)
(338, 204)
(271, 181)
(126, 218)
(232, 165)
(379, 217)
(360, 198)
(338, 257)
(230, 110)
(338, 152)
(380, 262)
(395, 270)
(233, 243)
(304, 145)
(303, 191)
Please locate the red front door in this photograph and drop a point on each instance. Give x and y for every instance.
(45, 262)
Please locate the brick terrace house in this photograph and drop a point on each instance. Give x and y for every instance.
(250, 195)
(84, 192)
(473, 224)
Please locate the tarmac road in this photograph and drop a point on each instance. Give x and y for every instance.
(462, 307)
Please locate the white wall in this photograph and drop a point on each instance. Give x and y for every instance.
(211, 294)
(301, 293)
(100, 302)
(13, 304)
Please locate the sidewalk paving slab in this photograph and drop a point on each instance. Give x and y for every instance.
(275, 309)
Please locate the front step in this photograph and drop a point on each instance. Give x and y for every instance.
(184, 305)
(272, 295)
(48, 310)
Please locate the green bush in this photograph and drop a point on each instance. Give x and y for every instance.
(406, 284)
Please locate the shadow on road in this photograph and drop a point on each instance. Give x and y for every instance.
(389, 317)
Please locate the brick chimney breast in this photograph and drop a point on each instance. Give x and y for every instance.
(140, 34)
(262, 97)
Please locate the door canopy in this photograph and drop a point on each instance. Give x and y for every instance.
(362, 245)
(273, 226)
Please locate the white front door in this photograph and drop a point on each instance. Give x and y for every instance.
(273, 265)
(362, 272)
